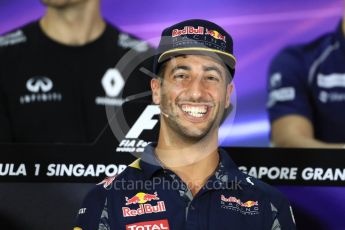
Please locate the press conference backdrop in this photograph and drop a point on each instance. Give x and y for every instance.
(312, 179)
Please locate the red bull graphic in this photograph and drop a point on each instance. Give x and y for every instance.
(144, 209)
(188, 30)
(249, 204)
(215, 34)
(149, 225)
(249, 207)
(133, 200)
(141, 198)
(246, 204)
(107, 181)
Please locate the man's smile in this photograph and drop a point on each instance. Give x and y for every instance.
(196, 111)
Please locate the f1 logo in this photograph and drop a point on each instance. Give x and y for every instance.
(145, 121)
(112, 82)
(37, 84)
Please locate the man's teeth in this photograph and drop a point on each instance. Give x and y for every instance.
(195, 111)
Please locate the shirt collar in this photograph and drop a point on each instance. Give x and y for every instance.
(149, 162)
(226, 172)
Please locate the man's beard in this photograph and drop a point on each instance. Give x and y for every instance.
(187, 132)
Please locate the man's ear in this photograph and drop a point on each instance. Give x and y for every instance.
(229, 90)
(155, 87)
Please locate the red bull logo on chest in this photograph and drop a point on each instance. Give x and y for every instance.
(249, 207)
(142, 198)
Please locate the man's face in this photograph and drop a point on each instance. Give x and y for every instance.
(194, 94)
(61, 3)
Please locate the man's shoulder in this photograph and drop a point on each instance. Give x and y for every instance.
(268, 191)
(18, 36)
(306, 53)
(128, 41)
(133, 172)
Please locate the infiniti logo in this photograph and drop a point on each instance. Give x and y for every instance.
(40, 91)
(37, 84)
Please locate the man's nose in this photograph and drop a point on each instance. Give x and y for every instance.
(195, 89)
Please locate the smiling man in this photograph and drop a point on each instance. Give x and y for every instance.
(186, 181)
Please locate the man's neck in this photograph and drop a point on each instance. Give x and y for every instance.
(74, 25)
(194, 162)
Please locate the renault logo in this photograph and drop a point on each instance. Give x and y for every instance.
(112, 82)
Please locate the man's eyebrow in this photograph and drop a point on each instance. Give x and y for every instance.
(178, 67)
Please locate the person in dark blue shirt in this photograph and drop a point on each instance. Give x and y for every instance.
(186, 181)
(306, 87)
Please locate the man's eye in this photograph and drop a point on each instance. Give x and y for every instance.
(212, 78)
(180, 76)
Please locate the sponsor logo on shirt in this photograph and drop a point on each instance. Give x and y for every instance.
(149, 225)
(275, 80)
(107, 182)
(280, 95)
(125, 41)
(142, 198)
(248, 179)
(112, 83)
(331, 80)
(82, 211)
(249, 207)
(40, 88)
(326, 97)
(42, 84)
(12, 38)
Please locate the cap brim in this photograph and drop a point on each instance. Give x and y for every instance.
(228, 59)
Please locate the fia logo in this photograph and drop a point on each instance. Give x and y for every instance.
(39, 84)
(145, 122)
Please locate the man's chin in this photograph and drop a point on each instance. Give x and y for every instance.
(58, 4)
(194, 135)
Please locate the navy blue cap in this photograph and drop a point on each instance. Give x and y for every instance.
(195, 36)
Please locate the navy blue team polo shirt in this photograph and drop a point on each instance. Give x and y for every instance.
(309, 80)
(147, 196)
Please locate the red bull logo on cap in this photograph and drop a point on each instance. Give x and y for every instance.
(215, 34)
(188, 30)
